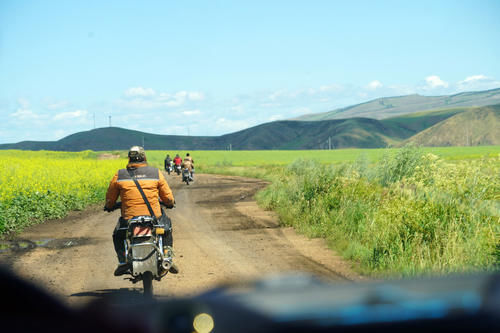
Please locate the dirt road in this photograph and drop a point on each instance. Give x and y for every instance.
(220, 234)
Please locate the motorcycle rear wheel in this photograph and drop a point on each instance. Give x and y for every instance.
(147, 283)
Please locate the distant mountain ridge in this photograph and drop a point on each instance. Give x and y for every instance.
(386, 107)
(444, 126)
(286, 134)
(342, 133)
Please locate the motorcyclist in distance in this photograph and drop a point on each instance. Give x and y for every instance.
(177, 160)
(168, 163)
(189, 163)
(189, 158)
(154, 186)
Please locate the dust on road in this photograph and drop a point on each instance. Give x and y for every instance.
(220, 235)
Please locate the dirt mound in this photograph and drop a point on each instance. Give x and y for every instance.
(108, 156)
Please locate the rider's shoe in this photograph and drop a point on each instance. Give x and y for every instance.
(174, 269)
(121, 269)
(170, 256)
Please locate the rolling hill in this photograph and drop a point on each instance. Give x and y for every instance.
(386, 107)
(115, 138)
(410, 124)
(342, 133)
(474, 127)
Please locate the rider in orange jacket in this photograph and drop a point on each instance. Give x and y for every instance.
(154, 186)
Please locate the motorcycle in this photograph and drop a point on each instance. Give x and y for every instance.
(145, 252)
(169, 168)
(186, 176)
(178, 169)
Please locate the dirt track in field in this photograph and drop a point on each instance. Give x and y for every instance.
(220, 235)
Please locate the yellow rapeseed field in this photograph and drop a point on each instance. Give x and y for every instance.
(41, 185)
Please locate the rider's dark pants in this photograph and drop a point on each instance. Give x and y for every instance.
(120, 235)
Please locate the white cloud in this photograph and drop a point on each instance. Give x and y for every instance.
(181, 94)
(474, 78)
(174, 103)
(277, 94)
(147, 98)
(71, 115)
(164, 96)
(140, 92)
(57, 105)
(275, 117)
(374, 85)
(191, 112)
(24, 114)
(224, 125)
(478, 82)
(24, 111)
(196, 96)
(435, 81)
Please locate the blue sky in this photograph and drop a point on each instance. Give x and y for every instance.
(214, 67)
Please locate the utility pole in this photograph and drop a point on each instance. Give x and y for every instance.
(230, 147)
(329, 143)
(466, 134)
(109, 121)
(143, 142)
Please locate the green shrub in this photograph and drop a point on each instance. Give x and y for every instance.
(412, 213)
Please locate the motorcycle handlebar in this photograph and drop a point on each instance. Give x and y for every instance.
(171, 206)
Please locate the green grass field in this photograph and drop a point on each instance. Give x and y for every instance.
(407, 214)
(205, 159)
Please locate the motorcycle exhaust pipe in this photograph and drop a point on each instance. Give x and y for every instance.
(166, 264)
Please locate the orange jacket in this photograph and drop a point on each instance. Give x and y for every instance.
(153, 184)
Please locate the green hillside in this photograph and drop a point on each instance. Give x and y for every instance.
(474, 127)
(342, 133)
(115, 138)
(386, 107)
(410, 124)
